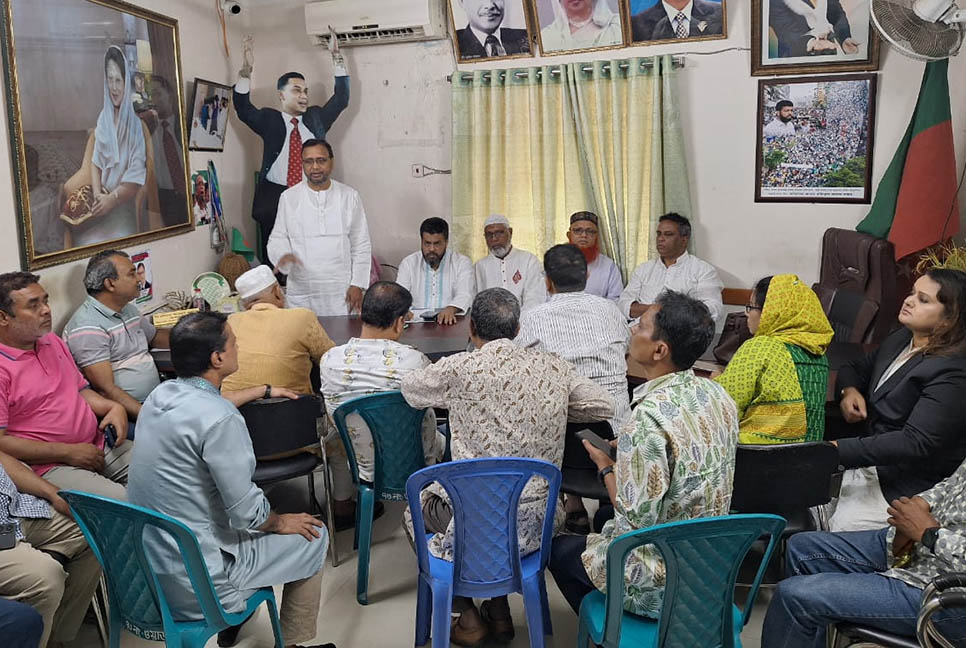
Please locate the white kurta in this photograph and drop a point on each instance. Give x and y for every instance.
(451, 284)
(519, 272)
(328, 232)
(689, 275)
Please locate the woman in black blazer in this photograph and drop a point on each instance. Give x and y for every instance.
(911, 397)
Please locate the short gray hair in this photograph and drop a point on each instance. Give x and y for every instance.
(101, 268)
(495, 314)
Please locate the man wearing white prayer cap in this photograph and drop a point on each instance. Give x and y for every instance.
(509, 267)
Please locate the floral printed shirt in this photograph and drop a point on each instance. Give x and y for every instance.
(505, 401)
(675, 461)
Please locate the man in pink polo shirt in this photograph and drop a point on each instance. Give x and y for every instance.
(48, 412)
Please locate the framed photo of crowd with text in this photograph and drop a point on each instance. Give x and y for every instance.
(812, 37)
(815, 137)
(95, 110)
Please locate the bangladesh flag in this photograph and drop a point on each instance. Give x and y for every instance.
(914, 197)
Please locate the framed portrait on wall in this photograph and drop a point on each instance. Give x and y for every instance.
(208, 119)
(676, 20)
(484, 30)
(565, 26)
(815, 137)
(98, 147)
(812, 37)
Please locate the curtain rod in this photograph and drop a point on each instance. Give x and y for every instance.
(677, 62)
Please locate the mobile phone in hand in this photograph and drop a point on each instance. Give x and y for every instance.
(110, 435)
(598, 442)
(429, 315)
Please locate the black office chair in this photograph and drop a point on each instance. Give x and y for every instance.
(786, 480)
(579, 472)
(849, 313)
(935, 597)
(285, 437)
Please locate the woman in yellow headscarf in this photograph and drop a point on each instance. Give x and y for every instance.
(779, 377)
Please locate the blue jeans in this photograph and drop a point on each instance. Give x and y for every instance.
(21, 626)
(835, 577)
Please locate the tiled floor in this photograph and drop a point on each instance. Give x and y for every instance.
(388, 620)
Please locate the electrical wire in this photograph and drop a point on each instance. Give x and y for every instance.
(952, 203)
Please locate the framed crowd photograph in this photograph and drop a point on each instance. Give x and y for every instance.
(95, 111)
(208, 118)
(484, 30)
(815, 137)
(566, 26)
(806, 37)
(669, 20)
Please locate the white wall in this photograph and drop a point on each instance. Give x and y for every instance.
(176, 261)
(399, 114)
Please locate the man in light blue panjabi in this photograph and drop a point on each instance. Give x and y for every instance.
(196, 464)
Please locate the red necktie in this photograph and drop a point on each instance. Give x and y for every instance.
(295, 155)
(175, 167)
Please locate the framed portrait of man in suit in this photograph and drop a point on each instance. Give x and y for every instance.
(812, 37)
(566, 26)
(652, 21)
(485, 30)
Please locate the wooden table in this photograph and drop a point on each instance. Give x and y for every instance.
(435, 340)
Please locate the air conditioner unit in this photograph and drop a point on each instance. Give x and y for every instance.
(375, 22)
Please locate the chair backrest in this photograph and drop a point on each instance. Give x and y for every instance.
(485, 495)
(849, 313)
(575, 455)
(281, 425)
(783, 479)
(115, 532)
(396, 430)
(702, 558)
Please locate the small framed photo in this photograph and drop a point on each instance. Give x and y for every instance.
(815, 137)
(567, 26)
(484, 30)
(210, 105)
(669, 20)
(806, 37)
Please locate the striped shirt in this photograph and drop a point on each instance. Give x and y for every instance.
(95, 333)
(14, 504)
(589, 332)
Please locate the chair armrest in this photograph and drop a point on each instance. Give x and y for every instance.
(835, 482)
(946, 581)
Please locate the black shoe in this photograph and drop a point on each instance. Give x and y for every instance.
(229, 636)
(328, 645)
(346, 522)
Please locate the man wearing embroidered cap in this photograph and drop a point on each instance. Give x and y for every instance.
(603, 277)
(509, 267)
(276, 345)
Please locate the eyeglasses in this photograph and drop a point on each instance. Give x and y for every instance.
(580, 231)
(749, 308)
(495, 235)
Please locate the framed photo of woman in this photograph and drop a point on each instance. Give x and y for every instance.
(654, 21)
(578, 25)
(99, 147)
(485, 30)
(812, 37)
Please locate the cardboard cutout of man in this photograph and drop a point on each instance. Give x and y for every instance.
(283, 131)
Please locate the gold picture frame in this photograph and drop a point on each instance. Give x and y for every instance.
(652, 24)
(546, 15)
(777, 58)
(468, 46)
(99, 148)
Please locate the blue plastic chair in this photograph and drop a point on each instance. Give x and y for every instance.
(702, 558)
(485, 495)
(114, 531)
(398, 451)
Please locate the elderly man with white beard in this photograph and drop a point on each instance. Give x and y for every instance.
(509, 267)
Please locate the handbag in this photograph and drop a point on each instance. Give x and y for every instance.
(734, 334)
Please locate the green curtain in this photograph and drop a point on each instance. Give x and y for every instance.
(538, 144)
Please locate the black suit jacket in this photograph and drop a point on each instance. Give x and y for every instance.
(790, 28)
(270, 124)
(708, 13)
(916, 433)
(515, 41)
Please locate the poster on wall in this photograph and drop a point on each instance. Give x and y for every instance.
(815, 138)
(142, 265)
(209, 116)
(583, 25)
(812, 37)
(201, 197)
(95, 112)
(486, 30)
(676, 20)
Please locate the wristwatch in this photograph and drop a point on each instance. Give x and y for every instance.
(601, 474)
(268, 392)
(929, 538)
